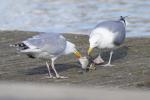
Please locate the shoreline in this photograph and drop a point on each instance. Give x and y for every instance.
(82, 32)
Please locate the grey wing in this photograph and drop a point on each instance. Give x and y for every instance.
(49, 42)
(119, 38)
(115, 27)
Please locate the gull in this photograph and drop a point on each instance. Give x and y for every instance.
(107, 34)
(50, 46)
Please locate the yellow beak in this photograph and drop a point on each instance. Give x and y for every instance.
(77, 54)
(90, 50)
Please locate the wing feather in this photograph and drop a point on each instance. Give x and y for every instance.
(52, 43)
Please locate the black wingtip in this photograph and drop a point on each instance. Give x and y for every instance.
(123, 17)
(21, 46)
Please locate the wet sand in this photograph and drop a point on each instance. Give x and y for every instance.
(131, 60)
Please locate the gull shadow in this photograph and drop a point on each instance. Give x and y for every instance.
(119, 53)
(59, 68)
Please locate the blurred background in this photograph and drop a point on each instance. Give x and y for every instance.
(73, 15)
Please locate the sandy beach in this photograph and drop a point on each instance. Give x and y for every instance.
(132, 61)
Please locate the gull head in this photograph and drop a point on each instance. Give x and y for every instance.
(84, 62)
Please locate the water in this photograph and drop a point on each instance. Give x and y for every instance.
(73, 15)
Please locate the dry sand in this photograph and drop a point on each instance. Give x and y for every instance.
(20, 91)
